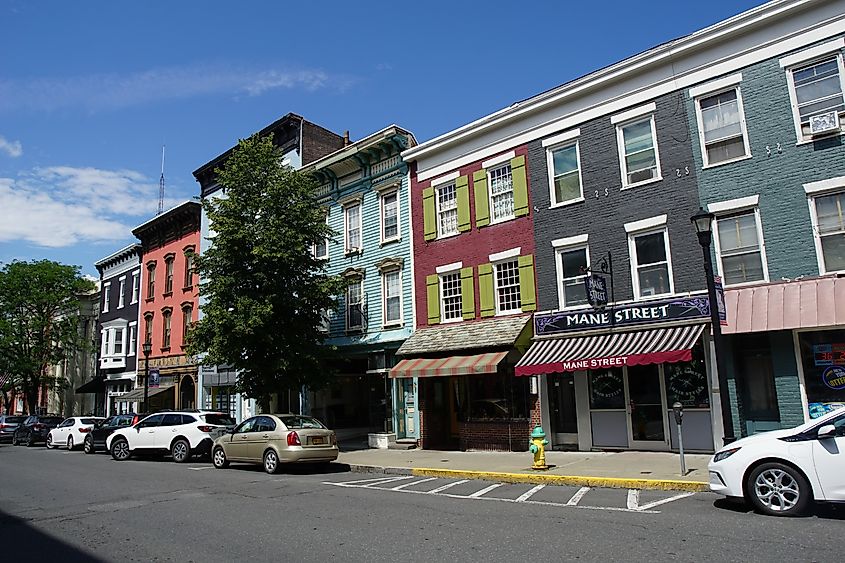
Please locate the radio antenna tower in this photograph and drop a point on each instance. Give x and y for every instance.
(161, 185)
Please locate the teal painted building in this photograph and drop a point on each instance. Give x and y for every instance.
(364, 189)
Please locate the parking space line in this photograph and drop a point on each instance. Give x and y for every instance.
(576, 498)
(664, 501)
(528, 494)
(200, 468)
(446, 486)
(633, 499)
(370, 483)
(485, 490)
(403, 485)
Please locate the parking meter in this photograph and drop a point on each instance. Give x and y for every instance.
(678, 410)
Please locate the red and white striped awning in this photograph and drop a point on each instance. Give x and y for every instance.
(651, 346)
(452, 365)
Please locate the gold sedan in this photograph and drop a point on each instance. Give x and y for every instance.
(274, 439)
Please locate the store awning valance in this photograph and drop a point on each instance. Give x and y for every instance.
(96, 385)
(652, 346)
(452, 365)
(138, 394)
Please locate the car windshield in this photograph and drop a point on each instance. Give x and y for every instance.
(219, 419)
(51, 420)
(301, 422)
(90, 420)
(15, 419)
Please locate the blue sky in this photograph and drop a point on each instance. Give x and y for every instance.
(90, 91)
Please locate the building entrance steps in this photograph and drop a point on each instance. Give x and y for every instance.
(630, 470)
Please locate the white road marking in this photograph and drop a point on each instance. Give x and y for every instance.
(576, 498)
(664, 501)
(370, 482)
(633, 499)
(402, 486)
(447, 486)
(199, 468)
(485, 490)
(529, 493)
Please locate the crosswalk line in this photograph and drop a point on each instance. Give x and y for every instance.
(411, 483)
(485, 490)
(446, 486)
(529, 493)
(576, 498)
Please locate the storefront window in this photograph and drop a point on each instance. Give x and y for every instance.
(686, 382)
(486, 397)
(823, 359)
(607, 390)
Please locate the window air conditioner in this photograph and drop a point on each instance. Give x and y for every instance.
(824, 123)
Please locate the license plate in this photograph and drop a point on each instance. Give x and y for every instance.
(318, 441)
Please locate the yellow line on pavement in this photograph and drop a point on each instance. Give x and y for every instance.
(572, 480)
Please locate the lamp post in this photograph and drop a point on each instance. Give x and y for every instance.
(146, 347)
(703, 221)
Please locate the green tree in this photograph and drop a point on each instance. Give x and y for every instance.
(264, 294)
(39, 322)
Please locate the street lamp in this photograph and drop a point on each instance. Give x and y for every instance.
(146, 347)
(703, 221)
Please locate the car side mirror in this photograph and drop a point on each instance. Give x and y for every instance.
(826, 432)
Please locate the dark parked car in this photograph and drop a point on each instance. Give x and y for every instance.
(96, 439)
(35, 428)
(8, 425)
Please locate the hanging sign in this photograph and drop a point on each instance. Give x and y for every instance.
(720, 300)
(596, 286)
(155, 379)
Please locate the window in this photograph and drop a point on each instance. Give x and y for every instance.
(354, 299)
(722, 126)
(187, 312)
(148, 327)
(117, 340)
(507, 287)
(168, 275)
(650, 261)
(447, 210)
(572, 265)
(638, 148)
(321, 248)
(501, 193)
(151, 280)
(106, 291)
(739, 248)
(390, 216)
(830, 231)
(165, 332)
(392, 291)
(121, 292)
(136, 286)
(189, 268)
(816, 89)
(565, 174)
(133, 345)
(450, 297)
(353, 227)
(265, 424)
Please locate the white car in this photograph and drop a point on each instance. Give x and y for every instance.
(71, 432)
(781, 472)
(181, 433)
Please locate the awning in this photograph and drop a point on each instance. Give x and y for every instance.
(652, 346)
(452, 365)
(138, 394)
(96, 385)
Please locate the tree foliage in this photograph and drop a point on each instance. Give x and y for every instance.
(39, 322)
(264, 294)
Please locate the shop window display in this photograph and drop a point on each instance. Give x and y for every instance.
(607, 389)
(492, 397)
(686, 382)
(823, 360)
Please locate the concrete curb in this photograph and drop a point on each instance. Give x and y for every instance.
(540, 478)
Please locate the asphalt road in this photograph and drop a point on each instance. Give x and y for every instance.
(68, 506)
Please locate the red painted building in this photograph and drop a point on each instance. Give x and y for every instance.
(474, 293)
(170, 304)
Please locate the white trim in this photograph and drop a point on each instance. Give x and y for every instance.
(633, 113)
(105, 292)
(121, 293)
(570, 241)
(394, 190)
(746, 144)
(505, 254)
(351, 200)
(498, 159)
(813, 52)
(817, 239)
(793, 97)
(401, 320)
(761, 244)
(562, 138)
(442, 301)
(620, 145)
(646, 224)
(561, 300)
(438, 210)
(734, 204)
(347, 249)
(802, 383)
(496, 266)
(136, 295)
(831, 184)
(551, 171)
(490, 204)
(446, 268)
(634, 260)
(446, 178)
(715, 85)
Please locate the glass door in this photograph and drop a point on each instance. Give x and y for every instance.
(407, 415)
(647, 420)
(562, 405)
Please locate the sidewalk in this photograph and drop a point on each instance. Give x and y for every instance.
(634, 470)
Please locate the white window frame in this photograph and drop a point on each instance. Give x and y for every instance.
(551, 166)
(133, 338)
(106, 289)
(793, 97)
(121, 294)
(496, 265)
(442, 272)
(727, 213)
(382, 196)
(814, 219)
(401, 320)
(634, 259)
(489, 171)
(439, 211)
(348, 249)
(109, 333)
(559, 250)
(314, 248)
(136, 286)
(360, 281)
(620, 145)
(700, 120)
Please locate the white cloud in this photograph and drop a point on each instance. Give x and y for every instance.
(11, 148)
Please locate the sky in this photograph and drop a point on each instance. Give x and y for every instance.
(90, 91)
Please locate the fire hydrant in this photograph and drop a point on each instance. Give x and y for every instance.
(538, 448)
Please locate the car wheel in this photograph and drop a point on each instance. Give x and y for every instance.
(218, 458)
(29, 442)
(49, 442)
(271, 462)
(778, 490)
(120, 450)
(180, 451)
(88, 445)
(69, 443)
(15, 440)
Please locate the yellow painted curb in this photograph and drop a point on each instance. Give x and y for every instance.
(571, 480)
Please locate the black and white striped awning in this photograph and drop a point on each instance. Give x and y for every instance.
(614, 349)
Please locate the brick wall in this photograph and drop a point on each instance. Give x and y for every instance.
(317, 142)
(495, 435)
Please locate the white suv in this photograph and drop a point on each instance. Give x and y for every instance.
(181, 433)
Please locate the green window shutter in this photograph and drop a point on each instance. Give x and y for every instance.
(462, 189)
(520, 186)
(485, 290)
(527, 291)
(429, 215)
(432, 284)
(467, 294)
(482, 203)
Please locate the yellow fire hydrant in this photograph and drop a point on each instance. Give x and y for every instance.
(538, 448)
